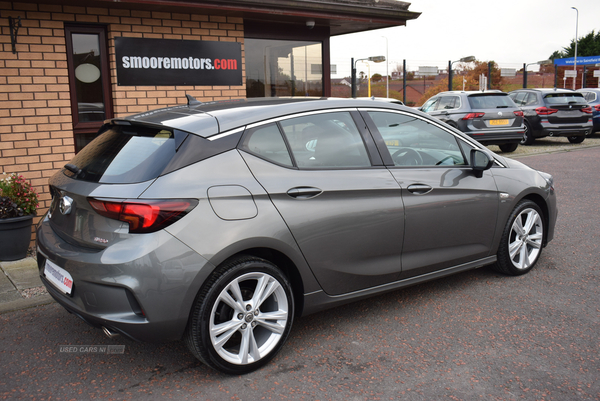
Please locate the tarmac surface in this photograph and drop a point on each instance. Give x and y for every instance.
(477, 335)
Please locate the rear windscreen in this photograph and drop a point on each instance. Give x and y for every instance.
(126, 154)
(489, 101)
(563, 98)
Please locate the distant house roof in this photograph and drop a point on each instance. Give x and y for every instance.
(340, 16)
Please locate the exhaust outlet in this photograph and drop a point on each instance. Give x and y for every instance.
(109, 333)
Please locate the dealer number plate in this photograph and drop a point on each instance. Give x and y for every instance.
(58, 276)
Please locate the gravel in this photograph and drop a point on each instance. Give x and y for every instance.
(548, 145)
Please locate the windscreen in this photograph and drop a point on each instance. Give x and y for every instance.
(125, 154)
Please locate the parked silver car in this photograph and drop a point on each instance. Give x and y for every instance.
(490, 117)
(220, 222)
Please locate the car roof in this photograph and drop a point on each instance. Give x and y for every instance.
(382, 99)
(546, 90)
(211, 118)
(469, 93)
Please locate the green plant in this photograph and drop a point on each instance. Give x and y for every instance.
(17, 196)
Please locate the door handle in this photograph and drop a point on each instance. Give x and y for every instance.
(419, 189)
(304, 192)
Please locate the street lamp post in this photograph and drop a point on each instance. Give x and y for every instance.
(375, 59)
(387, 73)
(450, 64)
(576, 34)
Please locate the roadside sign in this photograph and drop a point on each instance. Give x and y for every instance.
(597, 73)
(428, 71)
(508, 72)
(570, 73)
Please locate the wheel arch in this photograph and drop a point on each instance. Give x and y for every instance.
(283, 262)
(539, 200)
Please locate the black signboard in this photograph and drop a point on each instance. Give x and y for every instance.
(168, 62)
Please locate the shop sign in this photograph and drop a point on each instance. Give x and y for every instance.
(168, 62)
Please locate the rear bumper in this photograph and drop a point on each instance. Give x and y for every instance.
(143, 290)
(497, 137)
(544, 128)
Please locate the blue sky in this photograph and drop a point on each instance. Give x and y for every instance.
(510, 32)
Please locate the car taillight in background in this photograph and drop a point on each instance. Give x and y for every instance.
(518, 113)
(471, 116)
(587, 110)
(545, 111)
(144, 216)
(596, 107)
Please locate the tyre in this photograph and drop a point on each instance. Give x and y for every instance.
(522, 239)
(508, 147)
(576, 139)
(527, 135)
(241, 317)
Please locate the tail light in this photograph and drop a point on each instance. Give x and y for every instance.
(518, 113)
(597, 107)
(471, 116)
(144, 216)
(544, 111)
(587, 110)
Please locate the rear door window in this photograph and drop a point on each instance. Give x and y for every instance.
(449, 103)
(589, 96)
(267, 143)
(326, 140)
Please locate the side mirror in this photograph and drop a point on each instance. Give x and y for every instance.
(481, 161)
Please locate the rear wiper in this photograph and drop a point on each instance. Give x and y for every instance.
(502, 107)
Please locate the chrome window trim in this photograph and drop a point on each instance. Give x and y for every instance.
(302, 114)
(226, 133)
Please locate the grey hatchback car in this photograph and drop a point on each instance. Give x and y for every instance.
(219, 223)
(490, 117)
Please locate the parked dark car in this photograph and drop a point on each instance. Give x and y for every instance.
(220, 222)
(489, 117)
(553, 112)
(592, 97)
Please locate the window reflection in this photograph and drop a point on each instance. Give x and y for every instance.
(283, 68)
(88, 79)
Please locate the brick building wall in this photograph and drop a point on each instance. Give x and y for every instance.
(36, 127)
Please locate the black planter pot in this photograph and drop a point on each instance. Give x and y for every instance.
(15, 235)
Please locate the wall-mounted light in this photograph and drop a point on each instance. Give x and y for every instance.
(14, 25)
(310, 24)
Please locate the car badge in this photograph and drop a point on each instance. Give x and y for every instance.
(65, 205)
(570, 106)
(500, 113)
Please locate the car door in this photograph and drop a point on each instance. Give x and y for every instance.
(343, 207)
(450, 213)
